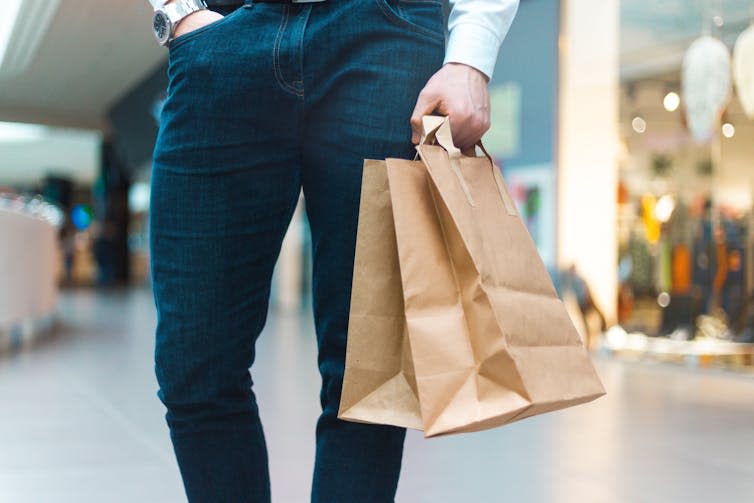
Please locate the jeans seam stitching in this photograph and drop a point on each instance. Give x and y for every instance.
(277, 70)
(394, 18)
(301, 50)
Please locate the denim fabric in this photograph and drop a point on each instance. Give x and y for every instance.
(269, 100)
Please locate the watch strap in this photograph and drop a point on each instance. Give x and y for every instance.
(179, 9)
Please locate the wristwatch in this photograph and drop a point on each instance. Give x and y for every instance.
(167, 17)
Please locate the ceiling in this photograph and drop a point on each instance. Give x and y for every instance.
(656, 33)
(96, 50)
(93, 53)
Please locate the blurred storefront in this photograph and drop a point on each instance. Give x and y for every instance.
(686, 183)
(639, 196)
(646, 227)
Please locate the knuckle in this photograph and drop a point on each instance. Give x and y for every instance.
(482, 124)
(428, 91)
(464, 113)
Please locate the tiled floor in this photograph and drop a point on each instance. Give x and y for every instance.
(80, 423)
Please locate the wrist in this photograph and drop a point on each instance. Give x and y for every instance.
(469, 69)
(474, 45)
(170, 18)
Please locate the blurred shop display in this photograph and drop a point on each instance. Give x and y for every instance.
(682, 268)
(686, 193)
(111, 192)
(75, 251)
(138, 232)
(743, 70)
(685, 272)
(28, 250)
(32, 206)
(579, 301)
(705, 85)
(533, 190)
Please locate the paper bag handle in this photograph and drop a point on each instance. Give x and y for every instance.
(436, 129)
(510, 207)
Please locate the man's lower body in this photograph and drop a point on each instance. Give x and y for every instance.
(269, 100)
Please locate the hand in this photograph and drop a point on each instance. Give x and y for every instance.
(460, 92)
(195, 21)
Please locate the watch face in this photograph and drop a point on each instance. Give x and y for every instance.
(161, 26)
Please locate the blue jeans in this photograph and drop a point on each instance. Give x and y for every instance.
(269, 100)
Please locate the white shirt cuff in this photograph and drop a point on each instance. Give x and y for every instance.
(474, 45)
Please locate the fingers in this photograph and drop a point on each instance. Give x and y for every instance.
(460, 92)
(468, 127)
(196, 20)
(425, 105)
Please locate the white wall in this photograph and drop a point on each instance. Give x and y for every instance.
(588, 144)
(28, 153)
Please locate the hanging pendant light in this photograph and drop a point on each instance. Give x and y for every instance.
(743, 70)
(705, 85)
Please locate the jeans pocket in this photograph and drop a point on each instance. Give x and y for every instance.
(423, 17)
(187, 37)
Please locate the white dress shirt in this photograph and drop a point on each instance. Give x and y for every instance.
(477, 28)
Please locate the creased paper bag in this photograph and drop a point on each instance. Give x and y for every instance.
(479, 338)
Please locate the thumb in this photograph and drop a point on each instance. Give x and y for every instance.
(425, 105)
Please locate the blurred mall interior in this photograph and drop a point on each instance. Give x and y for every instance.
(625, 131)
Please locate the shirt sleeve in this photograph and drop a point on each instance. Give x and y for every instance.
(477, 28)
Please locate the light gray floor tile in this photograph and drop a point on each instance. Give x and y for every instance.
(80, 422)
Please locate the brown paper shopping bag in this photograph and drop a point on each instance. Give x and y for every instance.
(479, 337)
(379, 384)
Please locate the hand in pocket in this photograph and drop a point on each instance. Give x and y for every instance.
(197, 20)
